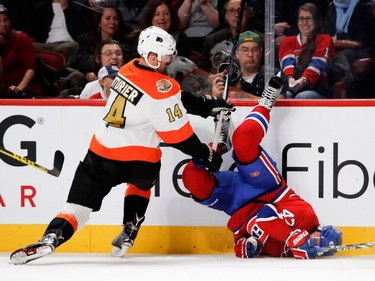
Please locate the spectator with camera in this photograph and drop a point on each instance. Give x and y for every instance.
(248, 82)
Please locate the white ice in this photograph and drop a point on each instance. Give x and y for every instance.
(103, 267)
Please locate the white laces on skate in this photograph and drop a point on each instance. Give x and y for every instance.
(271, 92)
(222, 131)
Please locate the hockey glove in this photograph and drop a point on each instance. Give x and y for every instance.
(216, 104)
(247, 248)
(301, 245)
(330, 237)
(210, 159)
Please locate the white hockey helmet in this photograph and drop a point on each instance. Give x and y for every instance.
(156, 40)
(179, 67)
(220, 53)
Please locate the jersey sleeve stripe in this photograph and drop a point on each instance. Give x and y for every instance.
(177, 136)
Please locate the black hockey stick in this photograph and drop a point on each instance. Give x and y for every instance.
(57, 162)
(229, 76)
(232, 59)
(339, 248)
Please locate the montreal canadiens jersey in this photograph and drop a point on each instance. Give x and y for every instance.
(143, 109)
(291, 49)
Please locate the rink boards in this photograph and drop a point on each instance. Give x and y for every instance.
(324, 148)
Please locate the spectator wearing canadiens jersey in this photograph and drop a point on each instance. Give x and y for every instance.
(144, 108)
(266, 216)
(304, 58)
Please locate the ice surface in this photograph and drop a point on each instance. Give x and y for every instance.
(103, 267)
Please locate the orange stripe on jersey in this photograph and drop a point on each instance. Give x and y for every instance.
(70, 218)
(127, 153)
(177, 136)
(134, 190)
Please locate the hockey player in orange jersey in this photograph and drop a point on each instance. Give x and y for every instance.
(144, 108)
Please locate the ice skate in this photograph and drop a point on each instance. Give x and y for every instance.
(271, 92)
(44, 247)
(222, 131)
(125, 240)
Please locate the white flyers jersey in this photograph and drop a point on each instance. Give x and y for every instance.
(144, 107)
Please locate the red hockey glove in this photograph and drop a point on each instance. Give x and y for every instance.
(301, 245)
(247, 247)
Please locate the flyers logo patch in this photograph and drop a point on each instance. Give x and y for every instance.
(164, 85)
(254, 174)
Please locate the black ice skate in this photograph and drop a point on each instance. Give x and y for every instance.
(271, 92)
(125, 239)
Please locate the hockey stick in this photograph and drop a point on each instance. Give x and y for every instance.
(57, 162)
(232, 60)
(229, 76)
(339, 248)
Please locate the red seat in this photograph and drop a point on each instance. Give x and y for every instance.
(54, 59)
(49, 64)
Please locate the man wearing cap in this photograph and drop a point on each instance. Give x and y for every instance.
(100, 88)
(249, 55)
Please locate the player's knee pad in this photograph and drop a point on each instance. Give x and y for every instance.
(80, 213)
(330, 236)
(198, 181)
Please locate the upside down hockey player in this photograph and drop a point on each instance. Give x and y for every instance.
(266, 216)
(144, 107)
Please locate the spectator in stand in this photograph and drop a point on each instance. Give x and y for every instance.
(232, 9)
(251, 80)
(56, 28)
(17, 55)
(216, 49)
(131, 11)
(107, 25)
(304, 58)
(108, 53)
(105, 78)
(198, 19)
(286, 13)
(351, 25)
(19, 11)
(162, 14)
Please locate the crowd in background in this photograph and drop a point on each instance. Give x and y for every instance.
(324, 49)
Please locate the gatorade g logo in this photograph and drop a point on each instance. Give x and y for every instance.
(30, 146)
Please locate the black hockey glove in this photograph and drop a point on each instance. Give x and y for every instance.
(210, 159)
(204, 106)
(217, 104)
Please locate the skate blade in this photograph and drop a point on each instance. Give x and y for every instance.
(24, 256)
(119, 252)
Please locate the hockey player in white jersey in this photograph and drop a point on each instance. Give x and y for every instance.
(144, 108)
